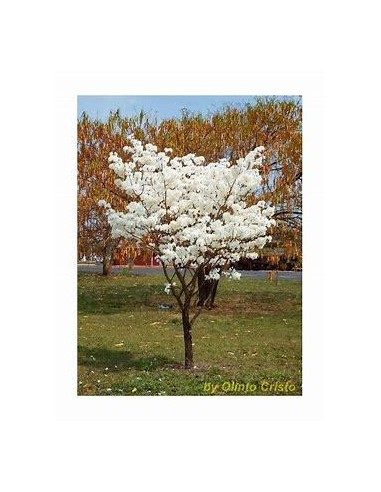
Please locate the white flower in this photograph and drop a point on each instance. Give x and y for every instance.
(151, 148)
(213, 275)
(235, 275)
(232, 274)
(168, 287)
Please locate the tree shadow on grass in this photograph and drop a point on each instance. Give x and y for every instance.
(103, 357)
(109, 299)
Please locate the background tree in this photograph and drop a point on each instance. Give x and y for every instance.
(96, 139)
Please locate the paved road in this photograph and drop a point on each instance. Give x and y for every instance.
(141, 270)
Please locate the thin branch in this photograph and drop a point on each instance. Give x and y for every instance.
(178, 297)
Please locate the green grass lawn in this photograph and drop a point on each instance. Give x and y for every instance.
(250, 344)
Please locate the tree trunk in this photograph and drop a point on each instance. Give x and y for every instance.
(187, 330)
(107, 257)
(207, 289)
(106, 266)
(213, 293)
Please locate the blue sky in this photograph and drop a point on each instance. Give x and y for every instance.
(163, 107)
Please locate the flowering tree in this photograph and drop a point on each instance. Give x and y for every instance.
(192, 215)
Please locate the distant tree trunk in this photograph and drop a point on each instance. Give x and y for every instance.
(187, 330)
(207, 289)
(108, 251)
(106, 266)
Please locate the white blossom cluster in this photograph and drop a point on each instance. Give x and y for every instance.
(168, 287)
(215, 274)
(190, 212)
